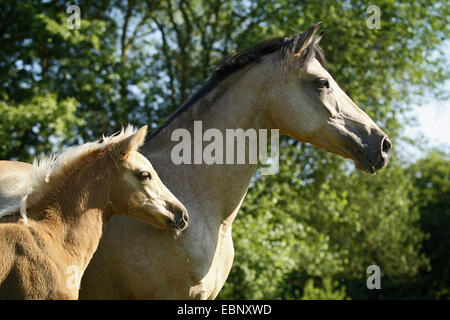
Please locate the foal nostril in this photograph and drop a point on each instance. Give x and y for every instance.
(386, 145)
(181, 217)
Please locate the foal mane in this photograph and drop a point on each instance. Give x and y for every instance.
(239, 60)
(45, 169)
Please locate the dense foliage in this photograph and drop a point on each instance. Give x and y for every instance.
(308, 232)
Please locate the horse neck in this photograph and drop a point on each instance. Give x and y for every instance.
(75, 212)
(210, 191)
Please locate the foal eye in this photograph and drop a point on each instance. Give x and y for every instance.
(145, 175)
(323, 83)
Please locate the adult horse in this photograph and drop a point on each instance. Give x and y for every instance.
(280, 84)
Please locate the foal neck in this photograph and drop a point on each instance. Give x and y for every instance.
(74, 209)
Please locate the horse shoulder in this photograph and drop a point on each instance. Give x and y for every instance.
(25, 271)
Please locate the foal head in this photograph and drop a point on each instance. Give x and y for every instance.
(138, 192)
(111, 173)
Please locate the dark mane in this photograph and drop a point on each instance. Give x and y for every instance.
(241, 59)
(238, 60)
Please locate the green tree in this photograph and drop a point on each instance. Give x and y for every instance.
(308, 232)
(61, 86)
(431, 178)
(324, 224)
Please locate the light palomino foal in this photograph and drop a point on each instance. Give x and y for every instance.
(44, 254)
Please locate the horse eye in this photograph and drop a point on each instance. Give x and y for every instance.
(323, 83)
(145, 175)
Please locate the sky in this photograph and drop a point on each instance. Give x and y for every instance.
(433, 121)
(433, 124)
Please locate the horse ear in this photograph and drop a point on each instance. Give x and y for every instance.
(133, 142)
(317, 39)
(308, 37)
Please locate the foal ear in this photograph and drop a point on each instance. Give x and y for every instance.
(308, 38)
(133, 142)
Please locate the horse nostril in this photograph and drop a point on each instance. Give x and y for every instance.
(386, 145)
(185, 217)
